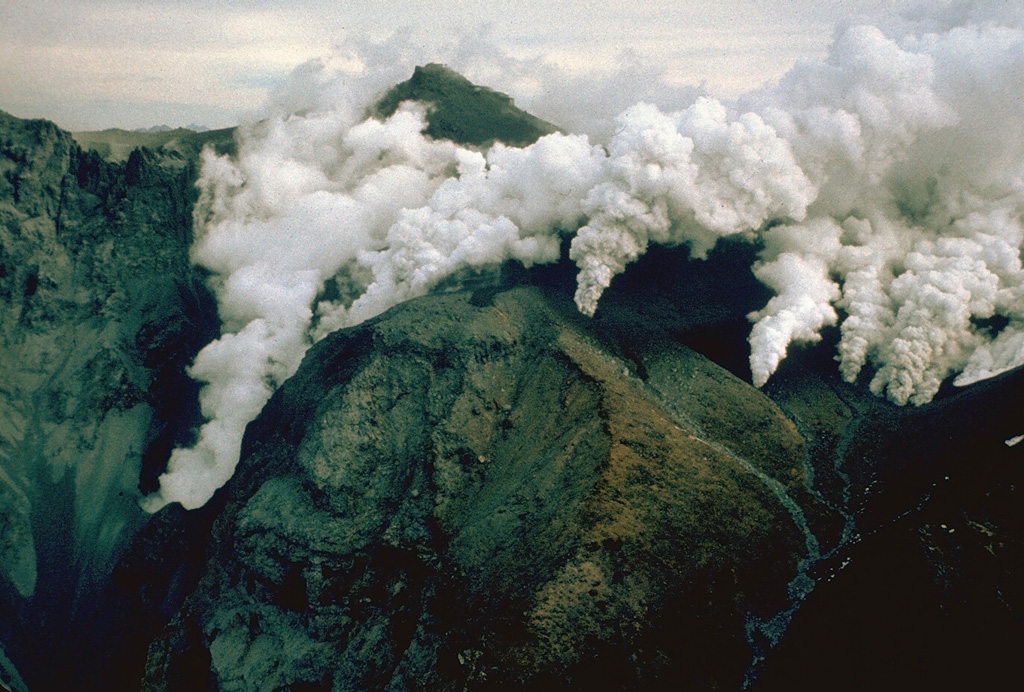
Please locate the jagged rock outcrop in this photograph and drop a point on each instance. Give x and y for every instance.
(100, 312)
(473, 492)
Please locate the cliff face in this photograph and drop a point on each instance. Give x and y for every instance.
(100, 312)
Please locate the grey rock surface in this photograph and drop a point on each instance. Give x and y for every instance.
(100, 312)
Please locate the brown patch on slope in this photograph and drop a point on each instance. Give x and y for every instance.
(476, 494)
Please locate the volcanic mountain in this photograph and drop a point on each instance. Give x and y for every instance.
(478, 488)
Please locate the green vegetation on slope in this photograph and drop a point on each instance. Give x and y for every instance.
(463, 112)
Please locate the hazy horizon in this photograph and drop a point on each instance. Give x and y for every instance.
(113, 63)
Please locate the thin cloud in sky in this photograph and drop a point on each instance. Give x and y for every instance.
(105, 63)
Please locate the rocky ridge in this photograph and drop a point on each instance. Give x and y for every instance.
(403, 517)
(101, 313)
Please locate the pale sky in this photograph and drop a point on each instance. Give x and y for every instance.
(92, 64)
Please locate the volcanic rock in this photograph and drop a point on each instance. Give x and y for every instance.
(473, 492)
(100, 313)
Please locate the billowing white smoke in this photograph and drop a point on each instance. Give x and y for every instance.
(689, 177)
(885, 182)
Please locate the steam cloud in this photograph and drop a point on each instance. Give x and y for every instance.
(886, 183)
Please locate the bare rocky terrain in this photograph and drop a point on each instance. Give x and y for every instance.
(101, 313)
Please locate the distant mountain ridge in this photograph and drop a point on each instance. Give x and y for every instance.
(165, 128)
(116, 144)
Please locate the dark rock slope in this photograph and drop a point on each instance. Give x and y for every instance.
(475, 493)
(100, 312)
(462, 111)
(482, 490)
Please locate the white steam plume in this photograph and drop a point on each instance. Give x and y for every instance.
(885, 182)
(690, 177)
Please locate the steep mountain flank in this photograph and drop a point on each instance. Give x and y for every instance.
(473, 493)
(462, 111)
(100, 312)
(483, 490)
